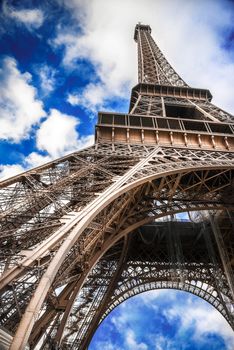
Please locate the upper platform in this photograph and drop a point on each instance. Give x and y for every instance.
(156, 90)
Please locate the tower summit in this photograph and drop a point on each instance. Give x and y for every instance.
(152, 65)
(81, 234)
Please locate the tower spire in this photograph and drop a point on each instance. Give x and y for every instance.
(152, 65)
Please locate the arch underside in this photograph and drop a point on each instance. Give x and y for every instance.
(121, 196)
(154, 259)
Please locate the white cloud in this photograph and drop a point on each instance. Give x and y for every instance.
(10, 170)
(195, 47)
(33, 160)
(106, 345)
(148, 298)
(162, 343)
(73, 99)
(57, 135)
(203, 319)
(113, 65)
(132, 343)
(91, 98)
(47, 78)
(84, 141)
(31, 18)
(19, 107)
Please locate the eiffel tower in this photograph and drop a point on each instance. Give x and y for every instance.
(83, 233)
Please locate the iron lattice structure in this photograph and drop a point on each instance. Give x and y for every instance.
(81, 234)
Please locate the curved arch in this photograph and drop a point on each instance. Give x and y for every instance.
(219, 304)
(106, 246)
(206, 291)
(186, 286)
(133, 178)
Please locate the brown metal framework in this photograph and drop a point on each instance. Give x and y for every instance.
(81, 234)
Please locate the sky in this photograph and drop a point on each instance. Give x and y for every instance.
(62, 61)
(163, 320)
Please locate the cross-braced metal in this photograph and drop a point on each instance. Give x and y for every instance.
(83, 233)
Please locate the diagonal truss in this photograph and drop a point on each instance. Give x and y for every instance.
(81, 234)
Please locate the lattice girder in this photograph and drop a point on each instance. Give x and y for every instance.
(68, 227)
(152, 65)
(167, 187)
(136, 178)
(152, 266)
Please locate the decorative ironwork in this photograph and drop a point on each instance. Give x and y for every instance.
(81, 234)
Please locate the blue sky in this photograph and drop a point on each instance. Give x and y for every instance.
(63, 61)
(163, 320)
